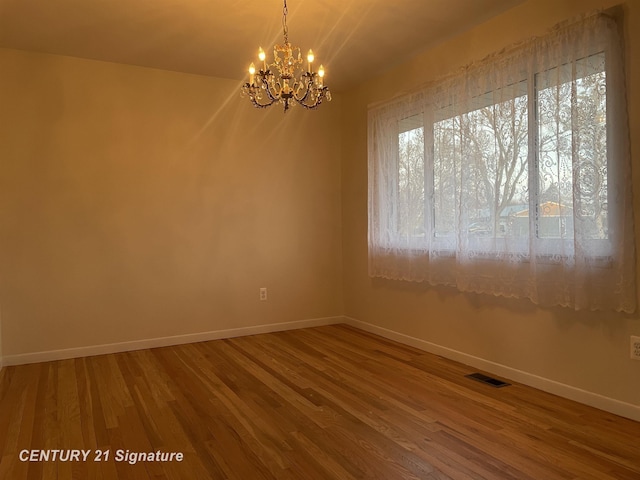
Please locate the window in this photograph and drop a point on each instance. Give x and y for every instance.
(511, 178)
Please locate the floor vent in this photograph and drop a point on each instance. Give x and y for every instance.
(494, 382)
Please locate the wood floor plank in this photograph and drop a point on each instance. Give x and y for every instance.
(321, 403)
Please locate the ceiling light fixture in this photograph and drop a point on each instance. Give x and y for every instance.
(291, 84)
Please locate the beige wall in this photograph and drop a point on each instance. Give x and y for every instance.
(139, 203)
(588, 351)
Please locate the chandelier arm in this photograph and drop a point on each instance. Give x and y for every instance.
(272, 95)
(302, 99)
(254, 100)
(257, 104)
(312, 106)
(310, 87)
(252, 92)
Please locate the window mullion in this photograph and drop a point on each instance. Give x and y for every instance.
(533, 154)
(429, 152)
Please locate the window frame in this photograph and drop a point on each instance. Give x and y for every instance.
(485, 248)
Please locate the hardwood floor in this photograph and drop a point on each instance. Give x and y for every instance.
(323, 403)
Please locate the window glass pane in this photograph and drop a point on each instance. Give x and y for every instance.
(490, 146)
(446, 175)
(411, 178)
(572, 146)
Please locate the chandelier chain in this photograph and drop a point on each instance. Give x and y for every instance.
(285, 29)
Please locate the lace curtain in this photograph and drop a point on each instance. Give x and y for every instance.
(512, 176)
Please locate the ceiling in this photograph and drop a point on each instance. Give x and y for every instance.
(352, 38)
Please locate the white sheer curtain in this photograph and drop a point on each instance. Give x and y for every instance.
(512, 177)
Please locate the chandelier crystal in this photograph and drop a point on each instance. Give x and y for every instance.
(285, 80)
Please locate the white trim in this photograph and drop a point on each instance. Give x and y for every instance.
(64, 354)
(551, 386)
(588, 398)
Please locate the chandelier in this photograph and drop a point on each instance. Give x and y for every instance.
(285, 80)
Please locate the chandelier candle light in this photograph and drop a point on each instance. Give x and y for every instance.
(291, 82)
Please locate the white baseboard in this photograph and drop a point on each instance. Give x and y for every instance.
(588, 398)
(601, 402)
(89, 351)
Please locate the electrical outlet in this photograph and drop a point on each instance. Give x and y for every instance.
(263, 294)
(635, 348)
